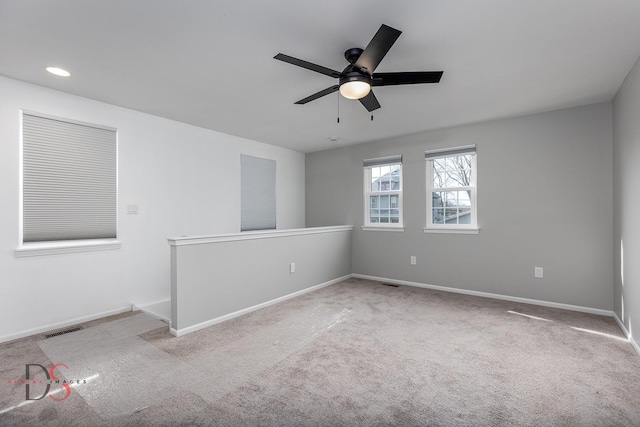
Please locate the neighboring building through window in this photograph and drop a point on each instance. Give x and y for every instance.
(451, 189)
(383, 192)
(69, 180)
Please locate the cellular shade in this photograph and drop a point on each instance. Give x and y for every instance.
(69, 180)
(445, 152)
(258, 198)
(382, 161)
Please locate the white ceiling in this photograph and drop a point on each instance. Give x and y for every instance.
(210, 63)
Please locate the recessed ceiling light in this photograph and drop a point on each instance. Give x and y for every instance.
(58, 71)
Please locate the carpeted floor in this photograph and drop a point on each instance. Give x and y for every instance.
(356, 353)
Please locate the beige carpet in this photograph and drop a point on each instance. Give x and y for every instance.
(356, 353)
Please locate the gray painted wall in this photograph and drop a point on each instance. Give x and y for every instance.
(544, 199)
(626, 179)
(212, 280)
(185, 180)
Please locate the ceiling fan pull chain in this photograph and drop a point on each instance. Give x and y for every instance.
(338, 107)
(371, 116)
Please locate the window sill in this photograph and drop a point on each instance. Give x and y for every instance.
(382, 228)
(452, 230)
(55, 248)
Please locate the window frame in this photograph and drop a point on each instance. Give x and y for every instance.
(52, 247)
(368, 165)
(430, 156)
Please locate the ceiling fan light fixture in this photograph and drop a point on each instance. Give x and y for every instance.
(355, 86)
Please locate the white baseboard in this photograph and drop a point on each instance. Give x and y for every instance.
(189, 329)
(59, 325)
(490, 295)
(626, 333)
(160, 310)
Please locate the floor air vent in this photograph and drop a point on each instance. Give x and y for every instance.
(66, 331)
(389, 284)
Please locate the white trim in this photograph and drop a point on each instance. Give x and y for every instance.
(65, 247)
(473, 197)
(70, 322)
(148, 309)
(252, 235)
(367, 193)
(626, 333)
(189, 329)
(452, 230)
(381, 228)
(490, 295)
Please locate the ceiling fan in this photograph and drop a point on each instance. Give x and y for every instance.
(355, 81)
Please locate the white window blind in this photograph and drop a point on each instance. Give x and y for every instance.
(69, 180)
(258, 193)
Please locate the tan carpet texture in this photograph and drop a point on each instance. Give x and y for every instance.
(356, 353)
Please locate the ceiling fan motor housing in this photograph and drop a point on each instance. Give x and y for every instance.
(355, 76)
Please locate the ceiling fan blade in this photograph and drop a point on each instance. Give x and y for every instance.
(370, 102)
(308, 65)
(320, 94)
(406, 78)
(377, 48)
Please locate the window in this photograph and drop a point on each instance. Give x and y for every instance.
(451, 190)
(69, 180)
(258, 193)
(383, 193)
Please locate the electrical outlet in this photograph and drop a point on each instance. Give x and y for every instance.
(413, 260)
(538, 272)
(292, 268)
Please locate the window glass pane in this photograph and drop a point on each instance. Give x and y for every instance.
(374, 215)
(394, 201)
(450, 216)
(464, 216)
(438, 165)
(384, 202)
(375, 184)
(374, 202)
(375, 179)
(395, 220)
(457, 178)
(437, 199)
(450, 199)
(464, 198)
(395, 177)
(385, 178)
(384, 219)
(438, 216)
(438, 179)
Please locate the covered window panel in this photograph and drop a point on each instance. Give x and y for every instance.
(69, 180)
(258, 193)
